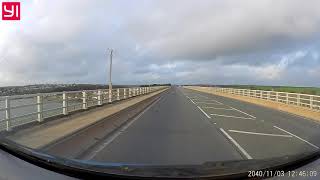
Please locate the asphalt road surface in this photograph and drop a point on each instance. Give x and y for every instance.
(191, 127)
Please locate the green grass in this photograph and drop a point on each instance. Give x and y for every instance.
(303, 90)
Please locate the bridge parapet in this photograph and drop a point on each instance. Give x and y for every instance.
(304, 105)
(304, 100)
(23, 109)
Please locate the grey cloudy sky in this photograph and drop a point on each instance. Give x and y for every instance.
(267, 42)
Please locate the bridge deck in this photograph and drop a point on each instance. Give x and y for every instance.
(191, 127)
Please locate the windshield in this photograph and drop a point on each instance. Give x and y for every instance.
(162, 83)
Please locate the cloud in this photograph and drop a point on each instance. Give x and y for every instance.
(214, 28)
(223, 42)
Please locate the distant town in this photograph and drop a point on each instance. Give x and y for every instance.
(47, 88)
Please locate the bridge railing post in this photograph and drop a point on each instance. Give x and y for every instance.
(311, 102)
(298, 100)
(99, 94)
(64, 103)
(130, 93)
(125, 93)
(287, 98)
(118, 94)
(84, 100)
(110, 95)
(8, 114)
(40, 108)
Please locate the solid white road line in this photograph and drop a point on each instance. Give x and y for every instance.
(120, 131)
(243, 112)
(199, 108)
(298, 137)
(230, 116)
(244, 152)
(217, 108)
(207, 103)
(262, 134)
(204, 112)
(192, 101)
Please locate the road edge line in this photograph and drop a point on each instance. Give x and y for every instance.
(244, 152)
(204, 112)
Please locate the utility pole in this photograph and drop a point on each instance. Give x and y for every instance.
(110, 78)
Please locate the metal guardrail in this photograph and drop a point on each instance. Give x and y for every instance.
(22, 109)
(304, 100)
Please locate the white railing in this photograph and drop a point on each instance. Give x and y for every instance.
(303, 100)
(23, 109)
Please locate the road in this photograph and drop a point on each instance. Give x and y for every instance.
(190, 127)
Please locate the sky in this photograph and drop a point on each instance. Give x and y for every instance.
(265, 42)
